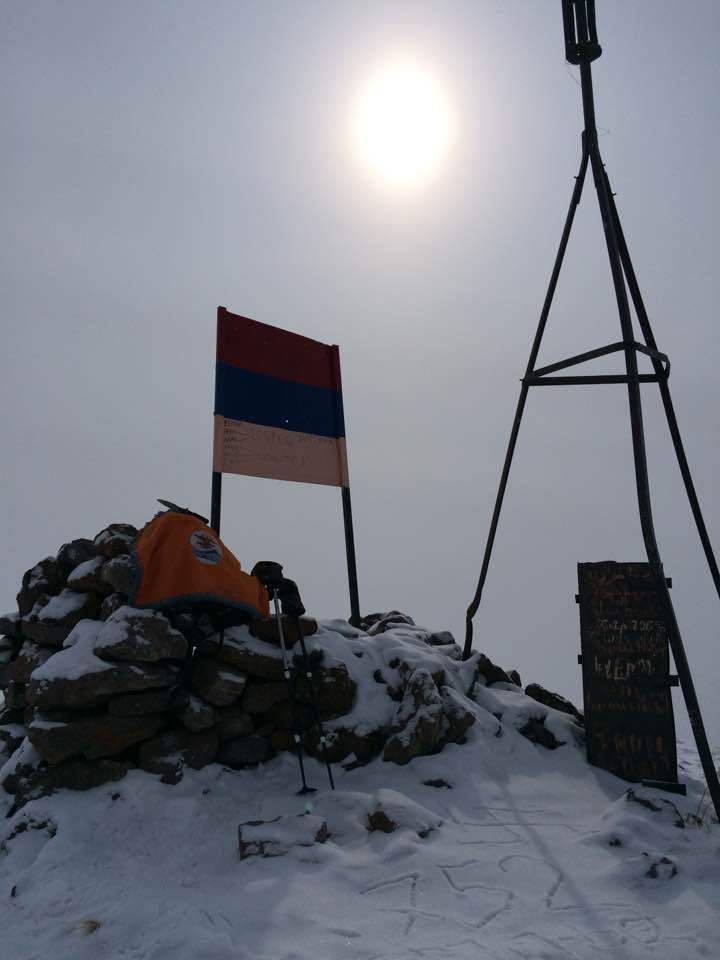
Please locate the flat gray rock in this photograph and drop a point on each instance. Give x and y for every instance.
(76, 677)
(139, 635)
(218, 683)
(249, 654)
(93, 737)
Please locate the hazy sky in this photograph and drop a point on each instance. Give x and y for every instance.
(161, 158)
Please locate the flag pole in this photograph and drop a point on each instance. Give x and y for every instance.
(216, 491)
(350, 551)
(215, 501)
(345, 479)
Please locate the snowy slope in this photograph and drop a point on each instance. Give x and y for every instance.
(528, 853)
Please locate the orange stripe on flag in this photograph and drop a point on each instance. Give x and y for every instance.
(259, 451)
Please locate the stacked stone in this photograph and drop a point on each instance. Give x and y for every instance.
(88, 579)
(241, 676)
(98, 687)
(94, 687)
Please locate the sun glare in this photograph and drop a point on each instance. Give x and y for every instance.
(402, 125)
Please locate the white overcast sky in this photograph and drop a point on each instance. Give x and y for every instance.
(161, 158)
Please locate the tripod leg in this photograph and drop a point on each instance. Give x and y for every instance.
(574, 201)
(642, 480)
(296, 725)
(644, 321)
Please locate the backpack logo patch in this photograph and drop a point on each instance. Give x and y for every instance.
(206, 549)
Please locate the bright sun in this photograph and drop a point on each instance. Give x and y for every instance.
(402, 125)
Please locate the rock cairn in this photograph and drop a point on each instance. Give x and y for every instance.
(94, 687)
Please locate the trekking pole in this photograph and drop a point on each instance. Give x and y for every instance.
(270, 575)
(293, 607)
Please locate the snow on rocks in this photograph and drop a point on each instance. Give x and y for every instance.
(88, 576)
(419, 720)
(72, 555)
(77, 677)
(163, 693)
(174, 749)
(375, 623)
(390, 810)
(11, 736)
(482, 843)
(553, 700)
(50, 623)
(139, 635)
(196, 715)
(43, 580)
(218, 683)
(115, 540)
(28, 658)
(238, 648)
(26, 775)
(273, 838)
(119, 575)
(10, 626)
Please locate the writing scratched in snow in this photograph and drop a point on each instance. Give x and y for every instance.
(628, 706)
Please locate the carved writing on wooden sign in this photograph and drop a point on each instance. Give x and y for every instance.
(629, 718)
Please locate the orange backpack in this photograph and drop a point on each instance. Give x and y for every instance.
(181, 563)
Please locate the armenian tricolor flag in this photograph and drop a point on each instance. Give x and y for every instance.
(278, 404)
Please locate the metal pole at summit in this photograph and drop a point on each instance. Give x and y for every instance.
(581, 48)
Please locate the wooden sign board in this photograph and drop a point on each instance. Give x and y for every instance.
(629, 719)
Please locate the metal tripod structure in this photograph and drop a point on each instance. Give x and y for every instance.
(581, 48)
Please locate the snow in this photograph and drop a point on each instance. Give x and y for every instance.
(229, 677)
(37, 574)
(502, 850)
(25, 754)
(41, 724)
(241, 636)
(515, 862)
(282, 833)
(517, 858)
(77, 658)
(136, 613)
(86, 569)
(115, 630)
(57, 608)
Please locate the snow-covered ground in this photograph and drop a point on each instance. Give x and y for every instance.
(525, 853)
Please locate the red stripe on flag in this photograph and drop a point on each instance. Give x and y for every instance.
(260, 348)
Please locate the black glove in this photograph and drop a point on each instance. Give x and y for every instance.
(292, 605)
(269, 574)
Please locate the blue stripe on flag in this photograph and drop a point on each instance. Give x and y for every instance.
(255, 398)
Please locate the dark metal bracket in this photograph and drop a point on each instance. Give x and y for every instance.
(581, 48)
(539, 376)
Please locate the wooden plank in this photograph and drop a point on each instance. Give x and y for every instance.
(626, 672)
